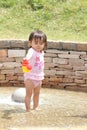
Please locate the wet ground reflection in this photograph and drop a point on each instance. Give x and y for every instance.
(58, 109)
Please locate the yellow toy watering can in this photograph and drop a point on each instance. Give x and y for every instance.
(26, 67)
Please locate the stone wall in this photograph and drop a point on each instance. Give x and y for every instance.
(65, 64)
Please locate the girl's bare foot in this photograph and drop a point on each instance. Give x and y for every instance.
(28, 110)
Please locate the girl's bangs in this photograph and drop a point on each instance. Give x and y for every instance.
(40, 37)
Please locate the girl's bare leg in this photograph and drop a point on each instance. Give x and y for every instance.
(29, 89)
(36, 96)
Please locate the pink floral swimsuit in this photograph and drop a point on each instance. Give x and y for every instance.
(37, 63)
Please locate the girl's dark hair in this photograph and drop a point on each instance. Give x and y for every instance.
(38, 35)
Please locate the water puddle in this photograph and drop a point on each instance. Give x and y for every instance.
(7, 100)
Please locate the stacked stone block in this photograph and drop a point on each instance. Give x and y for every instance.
(65, 64)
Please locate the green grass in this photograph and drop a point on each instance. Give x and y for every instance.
(59, 19)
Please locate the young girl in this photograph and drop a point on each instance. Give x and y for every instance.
(33, 79)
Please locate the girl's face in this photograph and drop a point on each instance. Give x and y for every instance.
(37, 44)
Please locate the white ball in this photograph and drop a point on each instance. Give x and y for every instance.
(19, 95)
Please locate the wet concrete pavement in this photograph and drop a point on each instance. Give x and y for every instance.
(59, 110)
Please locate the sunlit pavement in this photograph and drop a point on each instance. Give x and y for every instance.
(59, 110)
